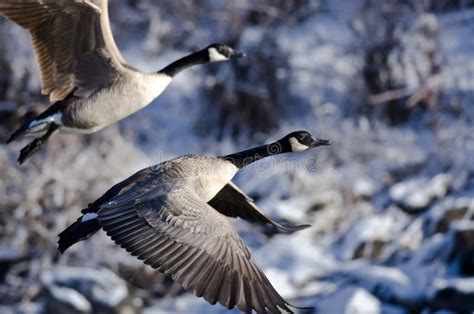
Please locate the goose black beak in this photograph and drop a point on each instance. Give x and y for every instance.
(234, 54)
(320, 142)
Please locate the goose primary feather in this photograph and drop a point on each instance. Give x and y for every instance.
(82, 70)
(172, 217)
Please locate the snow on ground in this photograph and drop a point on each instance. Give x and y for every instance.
(383, 200)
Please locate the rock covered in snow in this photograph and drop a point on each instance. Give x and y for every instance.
(364, 188)
(388, 284)
(418, 193)
(81, 290)
(349, 300)
(368, 236)
(65, 300)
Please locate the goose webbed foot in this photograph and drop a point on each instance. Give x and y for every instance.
(30, 149)
(289, 228)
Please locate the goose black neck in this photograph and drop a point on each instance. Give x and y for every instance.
(179, 65)
(246, 157)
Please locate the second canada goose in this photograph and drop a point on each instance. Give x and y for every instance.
(172, 216)
(83, 71)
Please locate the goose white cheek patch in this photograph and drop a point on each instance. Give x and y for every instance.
(297, 146)
(214, 56)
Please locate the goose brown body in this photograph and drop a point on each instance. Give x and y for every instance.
(172, 216)
(82, 70)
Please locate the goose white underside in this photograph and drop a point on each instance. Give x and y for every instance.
(56, 118)
(39, 127)
(107, 106)
(133, 93)
(88, 216)
(65, 129)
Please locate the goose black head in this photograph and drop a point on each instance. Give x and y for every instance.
(302, 140)
(220, 52)
(293, 142)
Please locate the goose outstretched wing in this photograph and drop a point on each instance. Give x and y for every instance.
(233, 202)
(174, 231)
(72, 41)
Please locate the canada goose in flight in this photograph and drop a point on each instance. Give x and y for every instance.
(171, 216)
(83, 71)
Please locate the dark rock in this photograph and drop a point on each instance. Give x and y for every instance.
(462, 256)
(368, 237)
(372, 250)
(447, 211)
(463, 233)
(8, 257)
(453, 295)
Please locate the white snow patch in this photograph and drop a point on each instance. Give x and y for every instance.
(362, 302)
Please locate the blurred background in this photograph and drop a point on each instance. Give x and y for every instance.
(391, 202)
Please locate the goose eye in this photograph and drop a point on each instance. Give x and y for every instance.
(301, 137)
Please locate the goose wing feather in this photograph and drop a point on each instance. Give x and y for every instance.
(233, 202)
(73, 43)
(139, 178)
(174, 231)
